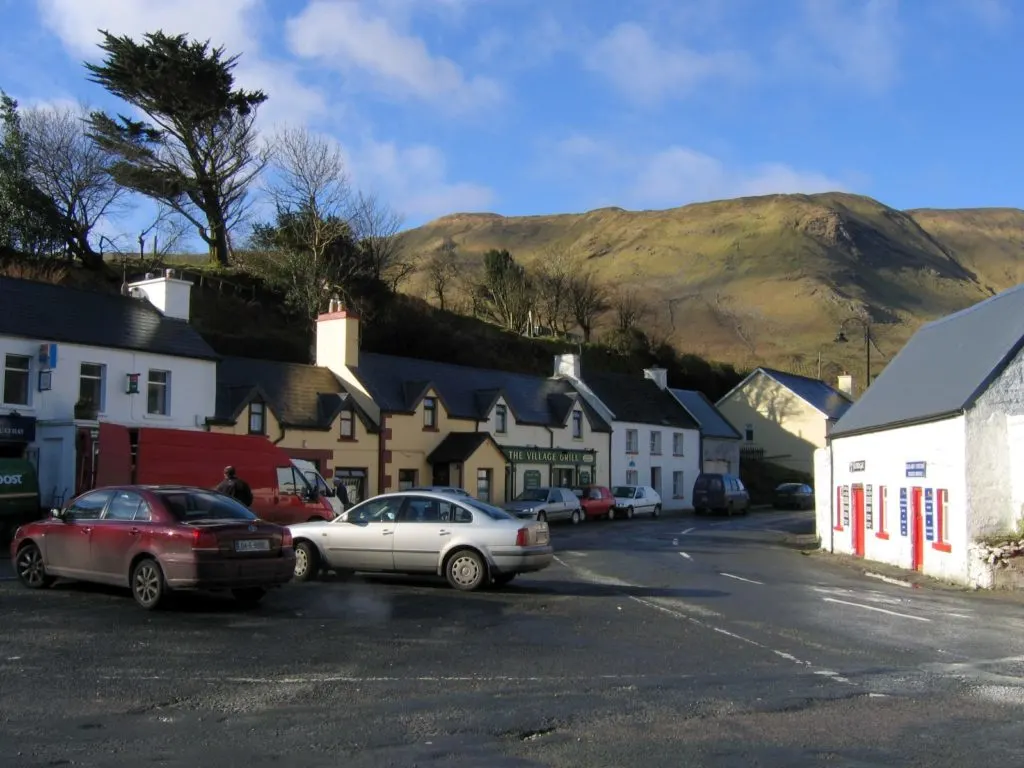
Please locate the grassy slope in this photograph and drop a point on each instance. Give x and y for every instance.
(768, 279)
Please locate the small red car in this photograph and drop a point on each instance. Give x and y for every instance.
(154, 540)
(596, 500)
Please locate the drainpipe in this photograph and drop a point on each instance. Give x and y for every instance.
(831, 497)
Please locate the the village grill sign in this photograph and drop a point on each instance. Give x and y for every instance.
(518, 455)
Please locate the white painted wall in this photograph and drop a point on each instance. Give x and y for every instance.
(719, 449)
(994, 443)
(943, 445)
(193, 385)
(642, 461)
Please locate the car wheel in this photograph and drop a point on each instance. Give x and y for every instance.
(466, 570)
(575, 517)
(307, 561)
(629, 513)
(30, 568)
(657, 510)
(148, 587)
(611, 513)
(249, 596)
(542, 517)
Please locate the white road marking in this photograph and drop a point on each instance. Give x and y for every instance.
(317, 679)
(875, 608)
(740, 578)
(688, 530)
(832, 676)
(959, 615)
(686, 556)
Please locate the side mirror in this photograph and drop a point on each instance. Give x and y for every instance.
(57, 513)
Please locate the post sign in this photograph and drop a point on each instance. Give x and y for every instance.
(846, 505)
(904, 526)
(917, 469)
(519, 455)
(17, 429)
(857, 466)
(584, 477)
(929, 514)
(869, 509)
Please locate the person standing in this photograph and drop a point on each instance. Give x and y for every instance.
(235, 487)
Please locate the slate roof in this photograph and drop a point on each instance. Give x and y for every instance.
(397, 383)
(827, 399)
(301, 396)
(57, 313)
(712, 423)
(639, 399)
(457, 447)
(944, 368)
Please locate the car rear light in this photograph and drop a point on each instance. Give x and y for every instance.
(286, 538)
(523, 537)
(204, 539)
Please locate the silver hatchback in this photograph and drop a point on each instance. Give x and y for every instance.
(547, 504)
(470, 543)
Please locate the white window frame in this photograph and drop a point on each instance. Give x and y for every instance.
(501, 419)
(678, 443)
(678, 484)
(27, 370)
(101, 406)
(632, 443)
(262, 416)
(655, 442)
(632, 477)
(577, 425)
(347, 425)
(165, 384)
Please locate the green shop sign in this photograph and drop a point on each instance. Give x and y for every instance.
(518, 455)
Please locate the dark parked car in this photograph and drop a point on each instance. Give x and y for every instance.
(153, 540)
(794, 496)
(720, 493)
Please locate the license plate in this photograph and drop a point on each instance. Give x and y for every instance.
(252, 545)
(542, 535)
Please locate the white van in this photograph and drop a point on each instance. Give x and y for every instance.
(308, 470)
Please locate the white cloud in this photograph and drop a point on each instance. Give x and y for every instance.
(645, 70)
(342, 35)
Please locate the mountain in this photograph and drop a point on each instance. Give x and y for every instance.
(768, 280)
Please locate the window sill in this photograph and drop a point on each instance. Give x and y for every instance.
(157, 416)
(431, 429)
(942, 547)
(883, 535)
(344, 439)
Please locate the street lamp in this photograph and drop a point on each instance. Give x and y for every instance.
(841, 338)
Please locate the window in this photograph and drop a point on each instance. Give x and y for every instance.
(90, 506)
(678, 489)
(577, 425)
(632, 477)
(483, 485)
(348, 425)
(655, 443)
(429, 413)
(124, 506)
(204, 505)
(427, 510)
(882, 512)
(678, 443)
(500, 419)
(16, 381)
(376, 511)
(289, 481)
(158, 393)
(749, 433)
(632, 441)
(407, 478)
(90, 384)
(257, 419)
(941, 542)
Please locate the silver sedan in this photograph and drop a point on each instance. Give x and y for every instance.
(470, 543)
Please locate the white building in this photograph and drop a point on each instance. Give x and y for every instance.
(719, 440)
(929, 460)
(74, 359)
(654, 440)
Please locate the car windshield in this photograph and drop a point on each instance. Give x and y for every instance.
(188, 506)
(622, 491)
(533, 494)
(790, 487)
(492, 512)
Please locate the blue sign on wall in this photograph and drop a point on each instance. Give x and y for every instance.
(917, 469)
(903, 512)
(929, 514)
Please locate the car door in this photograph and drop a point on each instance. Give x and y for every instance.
(363, 538)
(639, 501)
(68, 545)
(424, 528)
(115, 537)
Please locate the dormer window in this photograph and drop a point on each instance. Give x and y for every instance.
(577, 425)
(257, 419)
(500, 419)
(430, 413)
(348, 425)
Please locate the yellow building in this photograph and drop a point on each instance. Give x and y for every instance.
(784, 415)
(305, 410)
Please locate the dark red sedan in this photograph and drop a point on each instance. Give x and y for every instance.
(155, 539)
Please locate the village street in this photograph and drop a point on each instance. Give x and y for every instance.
(668, 642)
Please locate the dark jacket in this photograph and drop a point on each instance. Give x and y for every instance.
(237, 489)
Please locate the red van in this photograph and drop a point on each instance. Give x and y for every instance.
(153, 456)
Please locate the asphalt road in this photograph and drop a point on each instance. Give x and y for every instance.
(676, 642)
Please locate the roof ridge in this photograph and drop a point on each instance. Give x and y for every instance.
(87, 291)
(460, 366)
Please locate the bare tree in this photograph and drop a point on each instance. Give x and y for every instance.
(65, 164)
(554, 276)
(376, 226)
(509, 290)
(442, 269)
(630, 310)
(588, 300)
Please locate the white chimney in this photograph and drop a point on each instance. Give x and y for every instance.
(658, 375)
(168, 293)
(569, 365)
(845, 384)
(337, 349)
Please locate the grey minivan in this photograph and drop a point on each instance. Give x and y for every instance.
(720, 493)
(546, 504)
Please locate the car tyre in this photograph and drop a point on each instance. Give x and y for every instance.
(465, 570)
(249, 597)
(657, 510)
(307, 561)
(611, 513)
(148, 586)
(542, 517)
(30, 568)
(629, 513)
(575, 517)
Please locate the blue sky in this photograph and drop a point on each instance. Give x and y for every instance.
(542, 106)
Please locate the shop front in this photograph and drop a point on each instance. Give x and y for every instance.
(530, 467)
(16, 433)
